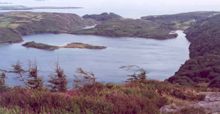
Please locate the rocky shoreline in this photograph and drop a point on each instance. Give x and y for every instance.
(41, 46)
(209, 105)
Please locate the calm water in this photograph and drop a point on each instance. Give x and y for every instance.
(161, 59)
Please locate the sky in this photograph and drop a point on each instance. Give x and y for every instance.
(130, 7)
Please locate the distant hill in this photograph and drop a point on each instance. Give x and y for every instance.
(15, 24)
(156, 27)
(204, 65)
(181, 20)
(130, 28)
(102, 17)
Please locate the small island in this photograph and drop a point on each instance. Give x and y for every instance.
(48, 47)
(41, 46)
(83, 46)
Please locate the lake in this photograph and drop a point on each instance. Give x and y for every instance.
(160, 58)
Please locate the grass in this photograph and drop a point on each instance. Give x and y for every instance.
(131, 98)
(14, 20)
(9, 111)
(4, 24)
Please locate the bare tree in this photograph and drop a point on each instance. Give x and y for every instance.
(83, 78)
(138, 73)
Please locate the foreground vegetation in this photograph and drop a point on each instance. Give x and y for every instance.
(136, 96)
(132, 98)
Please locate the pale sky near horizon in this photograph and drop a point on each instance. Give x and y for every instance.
(121, 2)
(130, 6)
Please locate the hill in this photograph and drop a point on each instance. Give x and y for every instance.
(204, 64)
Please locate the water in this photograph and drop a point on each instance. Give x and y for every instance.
(160, 58)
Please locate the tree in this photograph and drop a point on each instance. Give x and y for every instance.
(18, 69)
(2, 81)
(58, 81)
(2, 78)
(34, 81)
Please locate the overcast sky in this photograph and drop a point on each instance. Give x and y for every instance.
(134, 7)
